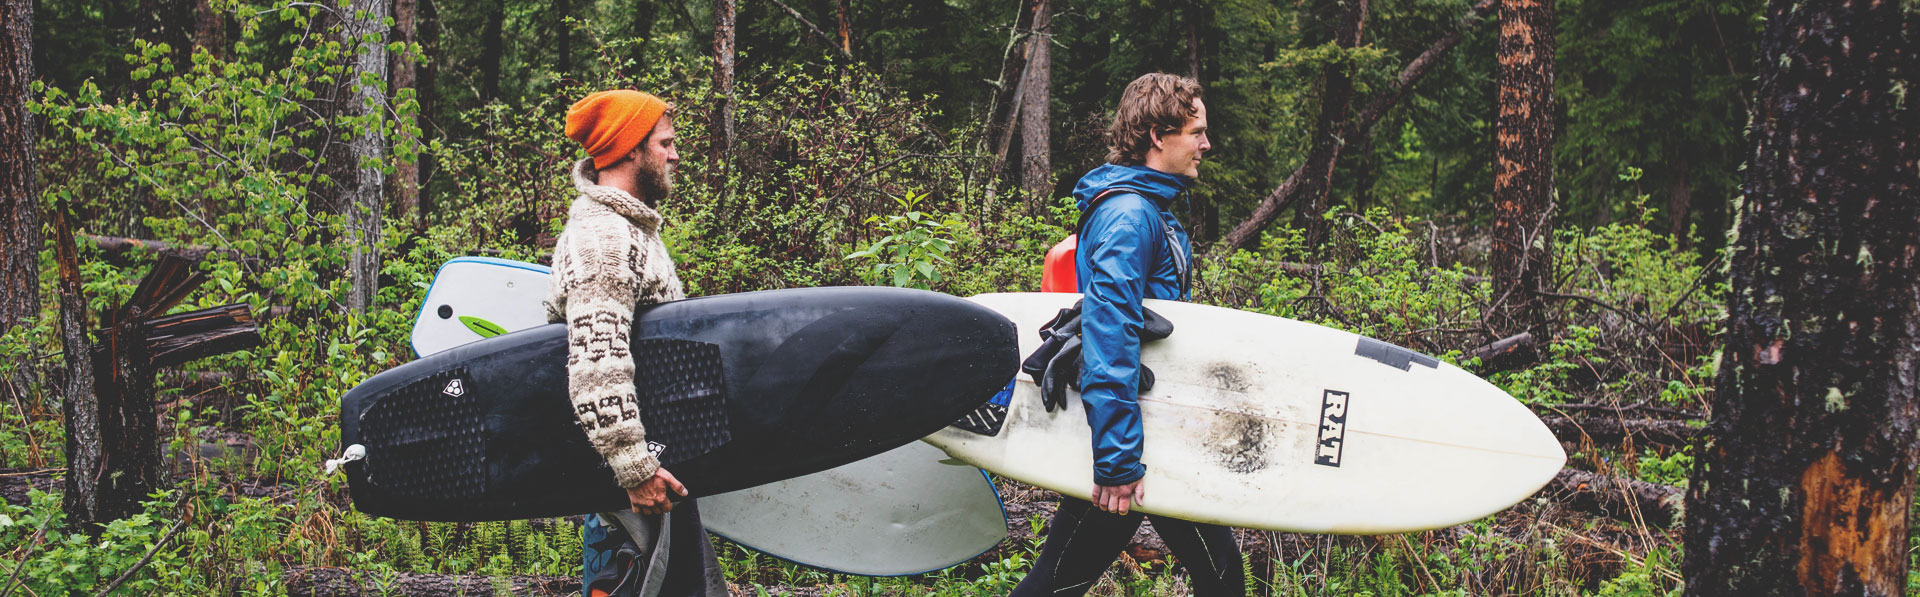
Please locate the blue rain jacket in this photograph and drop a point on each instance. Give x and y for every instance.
(1124, 256)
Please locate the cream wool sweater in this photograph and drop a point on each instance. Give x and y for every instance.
(608, 261)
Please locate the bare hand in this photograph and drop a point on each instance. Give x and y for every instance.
(650, 496)
(1119, 498)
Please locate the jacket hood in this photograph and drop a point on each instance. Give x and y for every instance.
(1160, 187)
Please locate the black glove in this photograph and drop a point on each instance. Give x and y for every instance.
(1062, 371)
(1055, 365)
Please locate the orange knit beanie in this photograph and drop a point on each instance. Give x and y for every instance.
(611, 123)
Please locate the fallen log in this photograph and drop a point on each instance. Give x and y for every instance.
(1511, 352)
(1617, 498)
(318, 581)
(1609, 430)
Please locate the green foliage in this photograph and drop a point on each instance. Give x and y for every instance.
(914, 248)
(1378, 280)
(54, 561)
(1655, 574)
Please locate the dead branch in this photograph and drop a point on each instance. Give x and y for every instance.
(1506, 353)
(1610, 430)
(1282, 197)
(828, 39)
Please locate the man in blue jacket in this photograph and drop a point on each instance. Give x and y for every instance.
(1131, 248)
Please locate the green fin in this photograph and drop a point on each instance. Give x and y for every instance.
(486, 329)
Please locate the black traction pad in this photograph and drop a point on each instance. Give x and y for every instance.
(439, 451)
(683, 396)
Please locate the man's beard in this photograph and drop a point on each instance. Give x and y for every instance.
(656, 182)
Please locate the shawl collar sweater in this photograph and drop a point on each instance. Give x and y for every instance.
(607, 261)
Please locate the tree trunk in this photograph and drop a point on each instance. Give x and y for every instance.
(19, 196)
(1679, 203)
(1004, 112)
(79, 407)
(170, 22)
(360, 189)
(406, 172)
(645, 12)
(1523, 165)
(846, 29)
(1248, 231)
(209, 28)
(1204, 213)
(1330, 137)
(1805, 485)
(491, 49)
(1036, 172)
(723, 56)
(563, 60)
(429, 32)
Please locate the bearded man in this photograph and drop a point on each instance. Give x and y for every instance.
(608, 261)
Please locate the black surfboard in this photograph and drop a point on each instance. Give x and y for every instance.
(736, 391)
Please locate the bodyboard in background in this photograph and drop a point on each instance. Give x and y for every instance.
(899, 513)
(745, 389)
(1269, 423)
(475, 298)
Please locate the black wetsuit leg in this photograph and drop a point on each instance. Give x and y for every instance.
(1208, 552)
(1081, 543)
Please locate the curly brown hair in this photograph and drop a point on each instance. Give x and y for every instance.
(1154, 103)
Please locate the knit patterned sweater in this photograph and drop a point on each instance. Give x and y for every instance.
(608, 261)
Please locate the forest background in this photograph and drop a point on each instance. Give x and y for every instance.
(297, 171)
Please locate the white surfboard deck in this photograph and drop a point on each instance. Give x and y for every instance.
(900, 513)
(1269, 423)
(471, 294)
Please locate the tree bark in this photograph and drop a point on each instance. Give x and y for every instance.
(1248, 231)
(406, 172)
(171, 22)
(1804, 486)
(1523, 165)
(846, 28)
(1679, 203)
(358, 186)
(209, 28)
(79, 407)
(19, 194)
(492, 47)
(1009, 90)
(1036, 172)
(429, 32)
(723, 57)
(563, 38)
(1330, 137)
(645, 12)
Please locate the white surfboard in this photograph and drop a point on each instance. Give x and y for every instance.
(474, 298)
(1270, 423)
(902, 512)
(884, 516)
